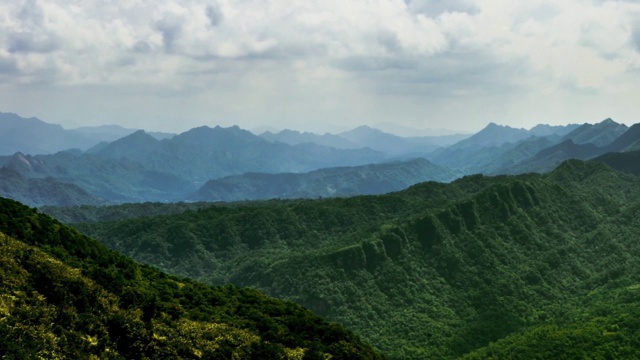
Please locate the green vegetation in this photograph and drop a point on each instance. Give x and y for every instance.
(66, 296)
(529, 266)
(92, 213)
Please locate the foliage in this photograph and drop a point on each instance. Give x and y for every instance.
(63, 295)
(436, 271)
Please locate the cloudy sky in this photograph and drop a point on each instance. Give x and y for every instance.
(320, 65)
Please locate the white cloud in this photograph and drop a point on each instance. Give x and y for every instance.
(348, 60)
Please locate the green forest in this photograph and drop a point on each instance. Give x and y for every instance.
(532, 266)
(66, 296)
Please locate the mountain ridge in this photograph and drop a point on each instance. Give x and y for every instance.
(434, 271)
(329, 182)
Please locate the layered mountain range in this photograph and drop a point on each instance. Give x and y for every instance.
(532, 266)
(505, 244)
(229, 164)
(34, 136)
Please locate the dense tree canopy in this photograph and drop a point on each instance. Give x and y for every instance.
(64, 295)
(484, 266)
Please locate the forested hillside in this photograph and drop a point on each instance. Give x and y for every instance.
(529, 266)
(65, 296)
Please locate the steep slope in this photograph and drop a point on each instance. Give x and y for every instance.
(510, 156)
(549, 158)
(436, 271)
(626, 141)
(482, 145)
(341, 181)
(493, 135)
(135, 146)
(63, 295)
(600, 134)
(583, 143)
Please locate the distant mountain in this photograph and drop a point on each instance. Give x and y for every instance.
(139, 167)
(109, 133)
(205, 153)
(549, 130)
(628, 162)
(584, 142)
(508, 156)
(406, 131)
(34, 136)
(500, 149)
(365, 136)
(627, 141)
(43, 191)
(102, 133)
(600, 134)
(330, 182)
(115, 180)
(292, 137)
(484, 144)
(493, 135)
(549, 158)
(135, 146)
(368, 137)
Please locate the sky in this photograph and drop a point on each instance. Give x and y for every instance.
(319, 66)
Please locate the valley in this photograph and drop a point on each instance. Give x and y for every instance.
(506, 243)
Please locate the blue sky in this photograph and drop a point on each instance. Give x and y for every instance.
(320, 65)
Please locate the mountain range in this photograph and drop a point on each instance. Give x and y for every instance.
(506, 244)
(34, 136)
(330, 182)
(228, 164)
(533, 266)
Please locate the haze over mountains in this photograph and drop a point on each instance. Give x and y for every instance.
(448, 263)
(111, 164)
(34, 136)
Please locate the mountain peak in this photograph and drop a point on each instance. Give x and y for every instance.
(136, 137)
(363, 129)
(363, 132)
(626, 140)
(600, 134)
(208, 136)
(133, 145)
(493, 125)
